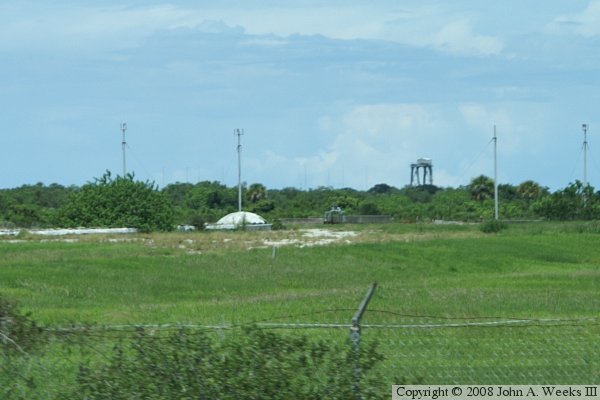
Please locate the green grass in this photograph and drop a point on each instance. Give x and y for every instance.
(509, 275)
(427, 275)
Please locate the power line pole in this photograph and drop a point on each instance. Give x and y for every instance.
(495, 175)
(239, 133)
(124, 145)
(585, 147)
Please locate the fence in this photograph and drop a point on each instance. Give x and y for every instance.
(342, 218)
(505, 353)
(368, 219)
(302, 221)
(417, 349)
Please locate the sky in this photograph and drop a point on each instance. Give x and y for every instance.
(328, 93)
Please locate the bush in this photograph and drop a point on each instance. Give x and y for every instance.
(368, 208)
(119, 202)
(254, 365)
(198, 221)
(18, 332)
(492, 226)
(277, 225)
(19, 337)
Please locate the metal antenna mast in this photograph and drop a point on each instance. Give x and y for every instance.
(239, 133)
(585, 147)
(124, 145)
(495, 175)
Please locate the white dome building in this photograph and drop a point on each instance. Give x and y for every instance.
(241, 220)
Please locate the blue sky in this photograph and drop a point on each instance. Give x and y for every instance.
(338, 93)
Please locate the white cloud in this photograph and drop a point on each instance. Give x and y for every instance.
(371, 144)
(419, 26)
(459, 38)
(585, 23)
(92, 28)
(123, 27)
(511, 132)
(480, 117)
(82, 28)
(376, 143)
(178, 81)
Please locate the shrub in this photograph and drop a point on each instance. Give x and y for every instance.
(119, 202)
(277, 225)
(492, 226)
(19, 337)
(18, 332)
(198, 221)
(257, 364)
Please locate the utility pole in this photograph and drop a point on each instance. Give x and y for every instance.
(585, 147)
(124, 145)
(239, 133)
(305, 178)
(495, 175)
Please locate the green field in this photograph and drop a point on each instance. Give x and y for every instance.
(453, 305)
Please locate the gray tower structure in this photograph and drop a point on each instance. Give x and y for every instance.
(426, 166)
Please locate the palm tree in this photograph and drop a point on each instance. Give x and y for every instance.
(256, 192)
(530, 190)
(481, 188)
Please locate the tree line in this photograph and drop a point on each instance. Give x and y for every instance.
(123, 201)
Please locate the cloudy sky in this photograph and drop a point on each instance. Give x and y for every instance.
(329, 93)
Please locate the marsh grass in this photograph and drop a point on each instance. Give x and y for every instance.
(427, 274)
(454, 270)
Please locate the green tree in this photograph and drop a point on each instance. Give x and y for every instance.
(481, 188)
(26, 215)
(32, 205)
(453, 204)
(506, 192)
(575, 202)
(531, 191)
(119, 202)
(368, 208)
(382, 188)
(178, 192)
(420, 194)
(256, 192)
(212, 195)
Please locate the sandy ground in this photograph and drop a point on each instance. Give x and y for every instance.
(194, 243)
(70, 231)
(313, 237)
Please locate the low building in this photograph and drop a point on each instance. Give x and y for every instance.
(240, 220)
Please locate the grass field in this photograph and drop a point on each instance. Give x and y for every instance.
(458, 285)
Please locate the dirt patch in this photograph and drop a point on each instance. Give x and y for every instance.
(314, 237)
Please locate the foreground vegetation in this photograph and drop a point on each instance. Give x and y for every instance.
(445, 277)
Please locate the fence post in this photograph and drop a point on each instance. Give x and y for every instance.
(3, 331)
(355, 337)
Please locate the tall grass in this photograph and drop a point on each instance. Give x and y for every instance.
(427, 274)
(515, 273)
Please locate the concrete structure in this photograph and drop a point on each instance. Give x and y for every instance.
(241, 220)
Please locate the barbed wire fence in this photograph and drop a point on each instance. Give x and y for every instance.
(418, 349)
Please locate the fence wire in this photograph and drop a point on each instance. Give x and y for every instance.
(416, 350)
(511, 354)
